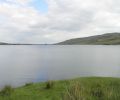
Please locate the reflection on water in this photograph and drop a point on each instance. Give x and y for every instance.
(22, 64)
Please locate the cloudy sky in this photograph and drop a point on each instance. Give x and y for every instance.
(50, 21)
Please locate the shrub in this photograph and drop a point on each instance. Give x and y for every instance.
(28, 84)
(49, 84)
(6, 91)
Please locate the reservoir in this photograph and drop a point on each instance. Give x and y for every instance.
(20, 64)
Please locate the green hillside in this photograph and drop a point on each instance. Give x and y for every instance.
(105, 39)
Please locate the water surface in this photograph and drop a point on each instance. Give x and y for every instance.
(22, 64)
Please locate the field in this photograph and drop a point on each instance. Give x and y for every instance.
(91, 88)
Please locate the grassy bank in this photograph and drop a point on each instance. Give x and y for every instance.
(77, 89)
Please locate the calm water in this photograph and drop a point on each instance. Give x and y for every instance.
(22, 64)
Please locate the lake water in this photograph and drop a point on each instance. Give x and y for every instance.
(34, 63)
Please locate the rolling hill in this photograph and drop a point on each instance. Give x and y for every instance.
(105, 39)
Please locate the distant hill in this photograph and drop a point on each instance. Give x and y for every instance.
(2, 43)
(105, 39)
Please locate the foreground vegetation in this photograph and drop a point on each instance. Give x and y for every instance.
(94, 88)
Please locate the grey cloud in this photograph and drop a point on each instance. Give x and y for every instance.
(65, 19)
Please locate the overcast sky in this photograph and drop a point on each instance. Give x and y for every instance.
(50, 21)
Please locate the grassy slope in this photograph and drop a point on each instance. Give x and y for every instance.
(105, 39)
(110, 86)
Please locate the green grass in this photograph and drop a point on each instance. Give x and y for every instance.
(91, 88)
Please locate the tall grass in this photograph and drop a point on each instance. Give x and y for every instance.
(97, 90)
(74, 92)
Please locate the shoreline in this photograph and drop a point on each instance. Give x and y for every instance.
(106, 88)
